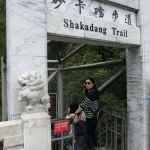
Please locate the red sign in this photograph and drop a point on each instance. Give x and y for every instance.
(61, 126)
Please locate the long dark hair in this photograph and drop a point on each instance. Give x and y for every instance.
(73, 107)
(85, 91)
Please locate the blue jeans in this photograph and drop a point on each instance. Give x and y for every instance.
(91, 137)
(78, 143)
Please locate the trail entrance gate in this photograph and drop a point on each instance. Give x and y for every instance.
(115, 23)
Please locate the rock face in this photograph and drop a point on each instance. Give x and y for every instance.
(32, 90)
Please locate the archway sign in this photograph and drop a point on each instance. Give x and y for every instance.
(92, 21)
(118, 23)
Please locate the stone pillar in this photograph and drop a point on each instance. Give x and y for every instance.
(26, 47)
(37, 131)
(138, 84)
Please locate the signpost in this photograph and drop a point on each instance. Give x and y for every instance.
(52, 110)
(61, 126)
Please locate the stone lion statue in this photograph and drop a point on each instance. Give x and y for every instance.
(32, 91)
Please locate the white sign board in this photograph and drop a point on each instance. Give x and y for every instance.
(95, 9)
(92, 21)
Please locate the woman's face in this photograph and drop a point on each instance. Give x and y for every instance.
(88, 84)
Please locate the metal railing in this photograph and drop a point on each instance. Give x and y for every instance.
(60, 140)
(111, 131)
(115, 130)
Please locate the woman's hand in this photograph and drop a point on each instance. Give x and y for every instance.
(73, 116)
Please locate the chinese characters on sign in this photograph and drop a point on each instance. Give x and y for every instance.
(128, 19)
(61, 126)
(115, 15)
(99, 11)
(80, 5)
(59, 1)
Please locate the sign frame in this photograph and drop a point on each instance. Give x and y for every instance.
(51, 108)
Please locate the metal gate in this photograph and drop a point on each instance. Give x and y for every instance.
(110, 77)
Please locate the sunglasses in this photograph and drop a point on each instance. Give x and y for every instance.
(87, 83)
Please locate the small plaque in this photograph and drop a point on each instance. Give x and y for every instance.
(53, 101)
(61, 126)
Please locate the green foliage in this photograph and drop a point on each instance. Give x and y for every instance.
(2, 27)
(93, 54)
(111, 99)
(2, 42)
(73, 80)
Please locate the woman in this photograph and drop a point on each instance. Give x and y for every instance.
(80, 116)
(91, 100)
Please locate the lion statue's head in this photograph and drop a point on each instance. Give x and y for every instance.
(32, 91)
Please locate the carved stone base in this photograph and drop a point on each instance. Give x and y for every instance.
(34, 111)
(34, 116)
(37, 131)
